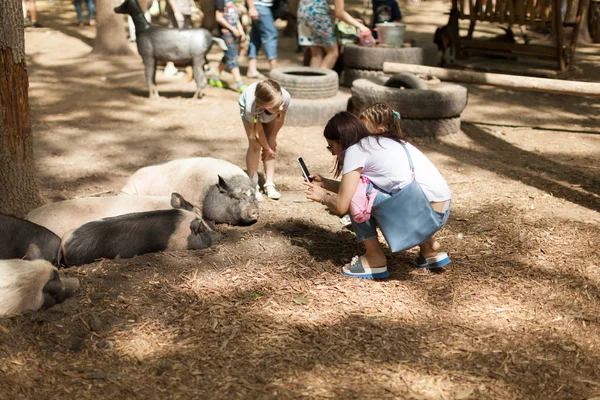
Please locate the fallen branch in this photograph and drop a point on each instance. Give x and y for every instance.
(577, 88)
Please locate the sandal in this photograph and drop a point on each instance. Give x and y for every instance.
(271, 192)
(357, 270)
(437, 261)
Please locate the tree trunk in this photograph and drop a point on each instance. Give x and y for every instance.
(18, 189)
(111, 38)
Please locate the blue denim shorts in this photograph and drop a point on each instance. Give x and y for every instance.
(368, 229)
(230, 58)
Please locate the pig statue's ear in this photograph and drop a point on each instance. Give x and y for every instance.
(222, 185)
(177, 201)
(33, 252)
(254, 179)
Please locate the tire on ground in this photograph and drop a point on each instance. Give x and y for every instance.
(406, 80)
(316, 112)
(351, 74)
(430, 127)
(445, 101)
(372, 58)
(307, 82)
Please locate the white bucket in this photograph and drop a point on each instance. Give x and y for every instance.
(391, 33)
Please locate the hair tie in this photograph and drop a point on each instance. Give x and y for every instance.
(396, 114)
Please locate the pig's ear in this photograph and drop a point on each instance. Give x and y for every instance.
(254, 179)
(222, 185)
(198, 226)
(33, 252)
(177, 201)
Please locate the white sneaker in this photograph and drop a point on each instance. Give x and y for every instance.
(172, 72)
(272, 193)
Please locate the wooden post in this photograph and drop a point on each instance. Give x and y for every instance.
(577, 88)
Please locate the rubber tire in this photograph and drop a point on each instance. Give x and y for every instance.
(406, 80)
(446, 101)
(318, 83)
(430, 127)
(308, 112)
(350, 75)
(372, 58)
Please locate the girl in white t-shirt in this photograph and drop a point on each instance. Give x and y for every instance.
(377, 154)
(262, 107)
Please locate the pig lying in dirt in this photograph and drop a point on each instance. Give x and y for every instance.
(221, 191)
(17, 234)
(133, 234)
(32, 284)
(63, 216)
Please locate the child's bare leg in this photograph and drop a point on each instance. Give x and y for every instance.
(429, 248)
(373, 256)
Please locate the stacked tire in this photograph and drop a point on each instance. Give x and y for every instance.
(425, 111)
(367, 62)
(315, 94)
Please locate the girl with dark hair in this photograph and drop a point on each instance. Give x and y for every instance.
(373, 147)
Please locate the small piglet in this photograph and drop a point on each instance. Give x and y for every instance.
(221, 191)
(133, 234)
(64, 216)
(17, 234)
(32, 284)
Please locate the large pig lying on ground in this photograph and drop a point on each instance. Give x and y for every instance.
(17, 234)
(133, 234)
(221, 190)
(31, 285)
(63, 216)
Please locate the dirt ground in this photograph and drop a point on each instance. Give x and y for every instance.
(265, 313)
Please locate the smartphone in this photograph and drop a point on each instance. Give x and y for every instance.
(304, 170)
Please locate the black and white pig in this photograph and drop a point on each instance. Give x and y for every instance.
(17, 234)
(133, 234)
(221, 191)
(64, 216)
(32, 284)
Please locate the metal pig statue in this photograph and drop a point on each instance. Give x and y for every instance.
(188, 47)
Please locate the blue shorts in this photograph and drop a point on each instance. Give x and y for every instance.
(230, 58)
(368, 229)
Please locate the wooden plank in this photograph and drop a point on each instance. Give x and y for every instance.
(517, 47)
(500, 9)
(531, 17)
(511, 10)
(560, 55)
(576, 88)
(543, 15)
(520, 12)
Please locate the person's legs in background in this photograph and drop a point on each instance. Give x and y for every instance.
(91, 6)
(253, 48)
(268, 35)
(79, 11)
(331, 55)
(33, 14)
(316, 56)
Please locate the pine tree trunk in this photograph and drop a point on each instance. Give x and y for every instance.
(111, 38)
(18, 189)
